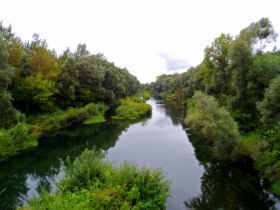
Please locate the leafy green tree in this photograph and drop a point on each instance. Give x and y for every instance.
(84, 78)
(36, 94)
(258, 34)
(269, 107)
(8, 114)
(6, 72)
(264, 68)
(241, 59)
(14, 48)
(214, 125)
(215, 66)
(40, 60)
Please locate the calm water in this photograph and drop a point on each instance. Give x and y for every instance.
(159, 142)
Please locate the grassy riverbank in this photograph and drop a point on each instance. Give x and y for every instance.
(25, 135)
(92, 183)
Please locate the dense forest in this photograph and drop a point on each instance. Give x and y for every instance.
(233, 99)
(41, 91)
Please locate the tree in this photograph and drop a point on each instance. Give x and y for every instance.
(258, 34)
(36, 93)
(214, 125)
(8, 114)
(269, 107)
(215, 66)
(40, 60)
(264, 68)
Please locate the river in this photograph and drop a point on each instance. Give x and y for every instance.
(159, 142)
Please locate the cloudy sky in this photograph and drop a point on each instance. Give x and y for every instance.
(148, 37)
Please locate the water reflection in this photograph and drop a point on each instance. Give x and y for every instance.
(226, 186)
(22, 177)
(162, 143)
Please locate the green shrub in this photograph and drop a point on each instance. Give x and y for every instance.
(132, 108)
(214, 125)
(15, 139)
(146, 95)
(92, 183)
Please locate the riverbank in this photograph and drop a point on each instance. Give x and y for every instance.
(25, 135)
(219, 134)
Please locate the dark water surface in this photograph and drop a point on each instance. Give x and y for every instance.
(159, 142)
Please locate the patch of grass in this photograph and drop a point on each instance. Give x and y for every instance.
(94, 120)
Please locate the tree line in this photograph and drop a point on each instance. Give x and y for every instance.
(40, 90)
(233, 98)
(35, 80)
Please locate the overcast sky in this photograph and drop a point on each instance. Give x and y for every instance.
(148, 37)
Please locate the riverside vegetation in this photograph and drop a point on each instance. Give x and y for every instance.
(41, 91)
(92, 183)
(233, 99)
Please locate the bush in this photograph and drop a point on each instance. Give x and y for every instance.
(92, 183)
(132, 108)
(146, 95)
(15, 139)
(214, 125)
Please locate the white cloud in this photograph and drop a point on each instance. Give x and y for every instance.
(131, 33)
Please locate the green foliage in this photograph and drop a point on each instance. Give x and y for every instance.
(276, 188)
(15, 139)
(9, 116)
(84, 78)
(91, 113)
(132, 108)
(214, 125)
(146, 95)
(92, 183)
(23, 136)
(215, 66)
(36, 93)
(253, 145)
(270, 105)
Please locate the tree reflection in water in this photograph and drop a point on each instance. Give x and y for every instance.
(228, 186)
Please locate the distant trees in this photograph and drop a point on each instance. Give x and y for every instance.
(236, 71)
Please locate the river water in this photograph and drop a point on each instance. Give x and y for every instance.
(159, 142)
